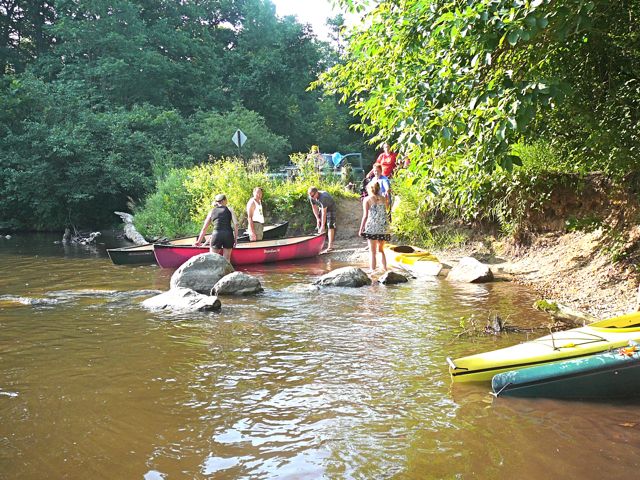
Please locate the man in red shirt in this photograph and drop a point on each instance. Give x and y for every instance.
(387, 160)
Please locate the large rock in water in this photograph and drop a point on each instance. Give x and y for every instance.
(392, 278)
(237, 283)
(184, 300)
(201, 273)
(470, 270)
(344, 277)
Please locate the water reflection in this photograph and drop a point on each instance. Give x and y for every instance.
(297, 382)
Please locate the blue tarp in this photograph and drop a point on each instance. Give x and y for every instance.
(336, 158)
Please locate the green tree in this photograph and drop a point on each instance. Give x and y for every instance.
(131, 53)
(455, 84)
(65, 163)
(100, 99)
(23, 33)
(272, 64)
(213, 133)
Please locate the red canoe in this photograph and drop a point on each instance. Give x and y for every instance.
(265, 251)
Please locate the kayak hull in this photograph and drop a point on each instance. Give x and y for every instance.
(415, 260)
(576, 343)
(608, 375)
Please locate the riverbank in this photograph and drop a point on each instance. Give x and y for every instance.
(574, 269)
(568, 268)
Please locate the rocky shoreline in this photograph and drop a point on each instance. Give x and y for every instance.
(571, 269)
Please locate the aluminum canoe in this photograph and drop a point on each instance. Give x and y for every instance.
(143, 254)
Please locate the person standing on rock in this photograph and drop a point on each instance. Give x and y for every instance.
(324, 209)
(255, 216)
(374, 225)
(225, 228)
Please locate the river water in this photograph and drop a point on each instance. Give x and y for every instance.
(292, 384)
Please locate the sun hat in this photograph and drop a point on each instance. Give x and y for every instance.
(220, 197)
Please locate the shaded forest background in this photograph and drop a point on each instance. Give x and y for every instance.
(100, 99)
(497, 105)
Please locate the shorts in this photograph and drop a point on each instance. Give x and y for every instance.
(377, 236)
(331, 219)
(222, 239)
(259, 229)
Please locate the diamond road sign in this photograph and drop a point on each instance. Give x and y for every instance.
(239, 138)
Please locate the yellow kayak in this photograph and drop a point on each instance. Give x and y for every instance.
(417, 261)
(577, 342)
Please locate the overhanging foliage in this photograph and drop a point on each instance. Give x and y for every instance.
(461, 81)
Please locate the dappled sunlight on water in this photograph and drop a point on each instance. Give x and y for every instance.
(294, 383)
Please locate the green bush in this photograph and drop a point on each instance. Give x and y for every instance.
(414, 214)
(183, 198)
(229, 175)
(213, 132)
(306, 168)
(450, 188)
(588, 223)
(166, 212)
(540, 156)
(546, 306)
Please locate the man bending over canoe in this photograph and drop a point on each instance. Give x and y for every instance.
(324, 209)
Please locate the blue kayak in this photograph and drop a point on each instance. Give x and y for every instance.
(609, 375)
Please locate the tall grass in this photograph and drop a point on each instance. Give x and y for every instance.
(166, 212)
(414, 216)
(184, 197)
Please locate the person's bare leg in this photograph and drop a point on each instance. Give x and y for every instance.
(372, 255)
(383, 257)
(376, 250)
(331, 234)
(226, 253)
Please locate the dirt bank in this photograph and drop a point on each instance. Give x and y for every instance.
(349, 246)
(575, 269)
(572, 269)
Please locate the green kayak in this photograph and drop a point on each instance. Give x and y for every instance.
(609, 375)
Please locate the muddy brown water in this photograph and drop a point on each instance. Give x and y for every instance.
(292, 384)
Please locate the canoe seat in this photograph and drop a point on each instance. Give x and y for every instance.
(403, 249)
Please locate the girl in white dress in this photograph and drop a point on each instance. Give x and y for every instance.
(374, 225)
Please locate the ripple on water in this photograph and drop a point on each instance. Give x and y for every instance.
(298, 381)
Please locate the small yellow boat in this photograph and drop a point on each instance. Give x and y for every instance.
(575, 343)
(417, 261)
